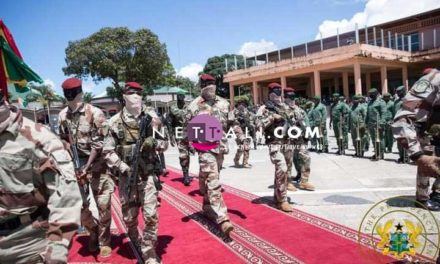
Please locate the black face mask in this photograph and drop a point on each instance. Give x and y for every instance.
(290, 96)
(372, 96)
(276, 91)
(401, 95)
(72, 93)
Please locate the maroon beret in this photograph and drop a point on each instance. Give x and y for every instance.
(207, 77)
(133, 85)
(427, 70)
(274, 85)
(289, 90)
(71, 83)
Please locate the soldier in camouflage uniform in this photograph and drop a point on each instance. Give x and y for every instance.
(118, 148)
(389, 113)
(242, 125)
(40, 203)
(271, 117)
(400, 92)
(376, 120)
(86, 125)
(366, 137)
(209, 103)
(417, 128)
(318, 118)
(177, 117)
(339, 117)
(301, 156)
(357, 126)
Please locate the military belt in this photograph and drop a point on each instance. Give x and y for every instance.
(20, 220)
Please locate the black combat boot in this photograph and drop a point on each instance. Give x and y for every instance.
(428, 205)
(435, 196)
(186, 178)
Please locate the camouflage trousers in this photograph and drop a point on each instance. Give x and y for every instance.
(389, 139)
(102, 187)
(299, 156)
(359, 146)
(145, 197)
(280, 157)
(184, 154)
(344, 135)
(318, 143)
(213, 204)
(423, 182)
(372, 132)
(243, 149)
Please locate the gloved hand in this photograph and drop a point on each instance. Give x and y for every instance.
(429, 165)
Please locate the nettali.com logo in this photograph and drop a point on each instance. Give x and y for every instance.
(204, 132)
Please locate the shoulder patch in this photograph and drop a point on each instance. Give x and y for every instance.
(421, 86)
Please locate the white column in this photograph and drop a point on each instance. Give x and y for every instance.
(231, 95)
(283, 84)
(255, 92)
(384, 78)
(405, 77)
(357, 78)
(345, 83)
(316, 90)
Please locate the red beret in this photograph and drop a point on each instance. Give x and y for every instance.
(274, 85)
(426, 71)
(207, 77)
(133, 85)
(289, 89)
(71, 83)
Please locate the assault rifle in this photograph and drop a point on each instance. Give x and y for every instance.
(377, 143)
(358, 138)
(340, 138)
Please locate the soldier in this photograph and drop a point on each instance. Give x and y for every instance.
(357, 125)
(271, 116)
(209, 103)
(40, 203)
(242, 126)
(340, 112)
(177, 119)
(84, 126)
(417, 128)
(119, 147)
(366, 137)
(301, 156)
(308, 107)
(389, 113)
(319, 117)
(400, 92)
(376, 122)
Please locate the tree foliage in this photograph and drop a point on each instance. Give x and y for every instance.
(87, 97)
(120, 55)
(45, 96)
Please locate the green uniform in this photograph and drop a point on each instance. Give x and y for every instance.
(388, 134)
(357, 126)
(318, 118)
(402, 153)
(340, 112)
(376, 111)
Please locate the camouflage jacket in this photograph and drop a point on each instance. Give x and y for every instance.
(219, 109)
(265, 119)
(376, 112)
(37, 173)
(122, 136)
(87, 126)
(340, 110)
(177, 118)
(318, 115)
(418, 120)
(358, 114)
(389, 111)
(397, 106)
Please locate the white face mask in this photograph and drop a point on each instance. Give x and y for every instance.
(133, 103)
(208, 92)
(76, 102)
(275, 98)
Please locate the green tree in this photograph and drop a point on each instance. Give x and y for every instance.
(216, 65)
(87, 97)
(186, 84)
(120, 55)
(45, 95)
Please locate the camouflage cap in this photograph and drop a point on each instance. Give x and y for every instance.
(357, 97)
(316, 97)
(372, 90)
(308, 104)
(400, 88)
(386, 95)
(336, 95)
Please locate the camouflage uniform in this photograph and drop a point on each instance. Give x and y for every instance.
(357, 126)
(340, 112)
(40, 203)
(210, 161)
(366, 137)
(177, 116)
(417, 128)
(318, 118)
(403, 155)
(388, 133)
(118, 147)
(376, 119)
(88, 128)
(242, 127)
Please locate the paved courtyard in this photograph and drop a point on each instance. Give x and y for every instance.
(346, 187)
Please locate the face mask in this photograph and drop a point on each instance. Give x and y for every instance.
(75, 102)
(372, 96)
(208, 92)
(133, 103)
(275, 98)
(72, 94)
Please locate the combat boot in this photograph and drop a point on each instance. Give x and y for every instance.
(285, 207)
(93, 240)
(186, 178)
(247, 166)
(297, 178)
(226, 227)
(236, 163)
(428, 205)
(435, 196)
(291, 187)
(306, 186)
(105, 251)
